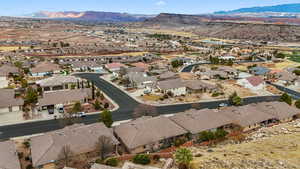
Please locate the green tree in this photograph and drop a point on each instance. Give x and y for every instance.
(31, 96)
(24, 83)
(97, 105)
(297, 104)
(235, 100)
(77, 107)
(184, 156)
(176, 63)
(286, 98)
(106, 118)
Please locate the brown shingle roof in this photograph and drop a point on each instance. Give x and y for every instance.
(280, 110)
(170, 84)
(147, 130)
(80, 138)
(6, 69)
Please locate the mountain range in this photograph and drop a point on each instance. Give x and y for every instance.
(284, 8)
(91, 16)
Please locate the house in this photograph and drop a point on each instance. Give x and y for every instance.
(231, 72)
(148, 133)
(199, 86)
(59, 82)
(197, 121)
(9, 102)
(168, 75)
(79, 138)
(101, 166)
(248, 117)
(175, 86)
(65, 97)
(281, 110)
(140, 79)
(259, 71)
(253, 83)
(5, 72)
(286, 78)
(114, 67)
(127, 165)
(141, 65)
(9, 156)
(44, 69)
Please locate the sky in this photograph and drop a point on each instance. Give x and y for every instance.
(22, 7)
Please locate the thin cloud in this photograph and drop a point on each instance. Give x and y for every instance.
(161, 3)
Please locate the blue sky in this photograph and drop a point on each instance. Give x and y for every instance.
(20, 7)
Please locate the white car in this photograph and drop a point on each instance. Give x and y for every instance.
(223, 105)
(80, 114)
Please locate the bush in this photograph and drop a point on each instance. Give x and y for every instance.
(20, 155)
(156, 157)
(26, 144)
(106, 105)
(112, 162)
(143, 159)
(27, 158)
(286, 98)
(99, 161)
(297, 104)
(29, 166)
(179, 141)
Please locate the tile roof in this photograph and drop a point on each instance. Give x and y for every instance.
(5, 70)
(255, 80)
(8, 156)
(80, 138)
(196, 121)
(45, 67)
(58, 80)
(170, 84)
(7, 97)
(147, 130)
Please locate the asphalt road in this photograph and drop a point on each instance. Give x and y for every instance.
(126, 107)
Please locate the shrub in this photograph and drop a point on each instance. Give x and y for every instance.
(20, 155)
(143, 159)
(106, 105)
(112, 162)
(179, 141)
(29, 166)
(26, 144)
(99, 161)
(27, 158)
(156, 157)
(297, 104)
(286, 98)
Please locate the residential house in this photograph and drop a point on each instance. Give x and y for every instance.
(168, 75)
(248, 117)
(114, 67)
(45, 69)
(197, 121)
(231, 72)
(141, 65)
(5, 72)
(63, 97)
(79, 139)
(175, 86)
(281, 110)
(199, 86)
(9, 156)
(253, 83)
(127, 165)
(59, 82)
(285, 78)
(148, 133)
(141, 80)
(9, 102)
(82, 66)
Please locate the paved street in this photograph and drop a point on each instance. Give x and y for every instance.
(125, 102)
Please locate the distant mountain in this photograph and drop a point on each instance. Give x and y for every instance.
(285, 8)
(91, 16)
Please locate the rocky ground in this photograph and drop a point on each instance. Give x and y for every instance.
(276, 147)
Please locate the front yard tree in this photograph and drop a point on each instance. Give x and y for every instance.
(144, 110)
(31, 96)
(183, 157)
(104, 146)
(77, 107)
(106, 118)
(297, 104)
(93, 90)
(97, 105)
(286, 98)
(235, 100)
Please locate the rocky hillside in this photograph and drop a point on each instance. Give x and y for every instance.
(276, 147)
(230, 27)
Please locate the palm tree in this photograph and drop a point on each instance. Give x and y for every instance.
(183, 157)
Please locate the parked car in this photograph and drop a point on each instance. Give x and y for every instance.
(79, 114)
(223, 105)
